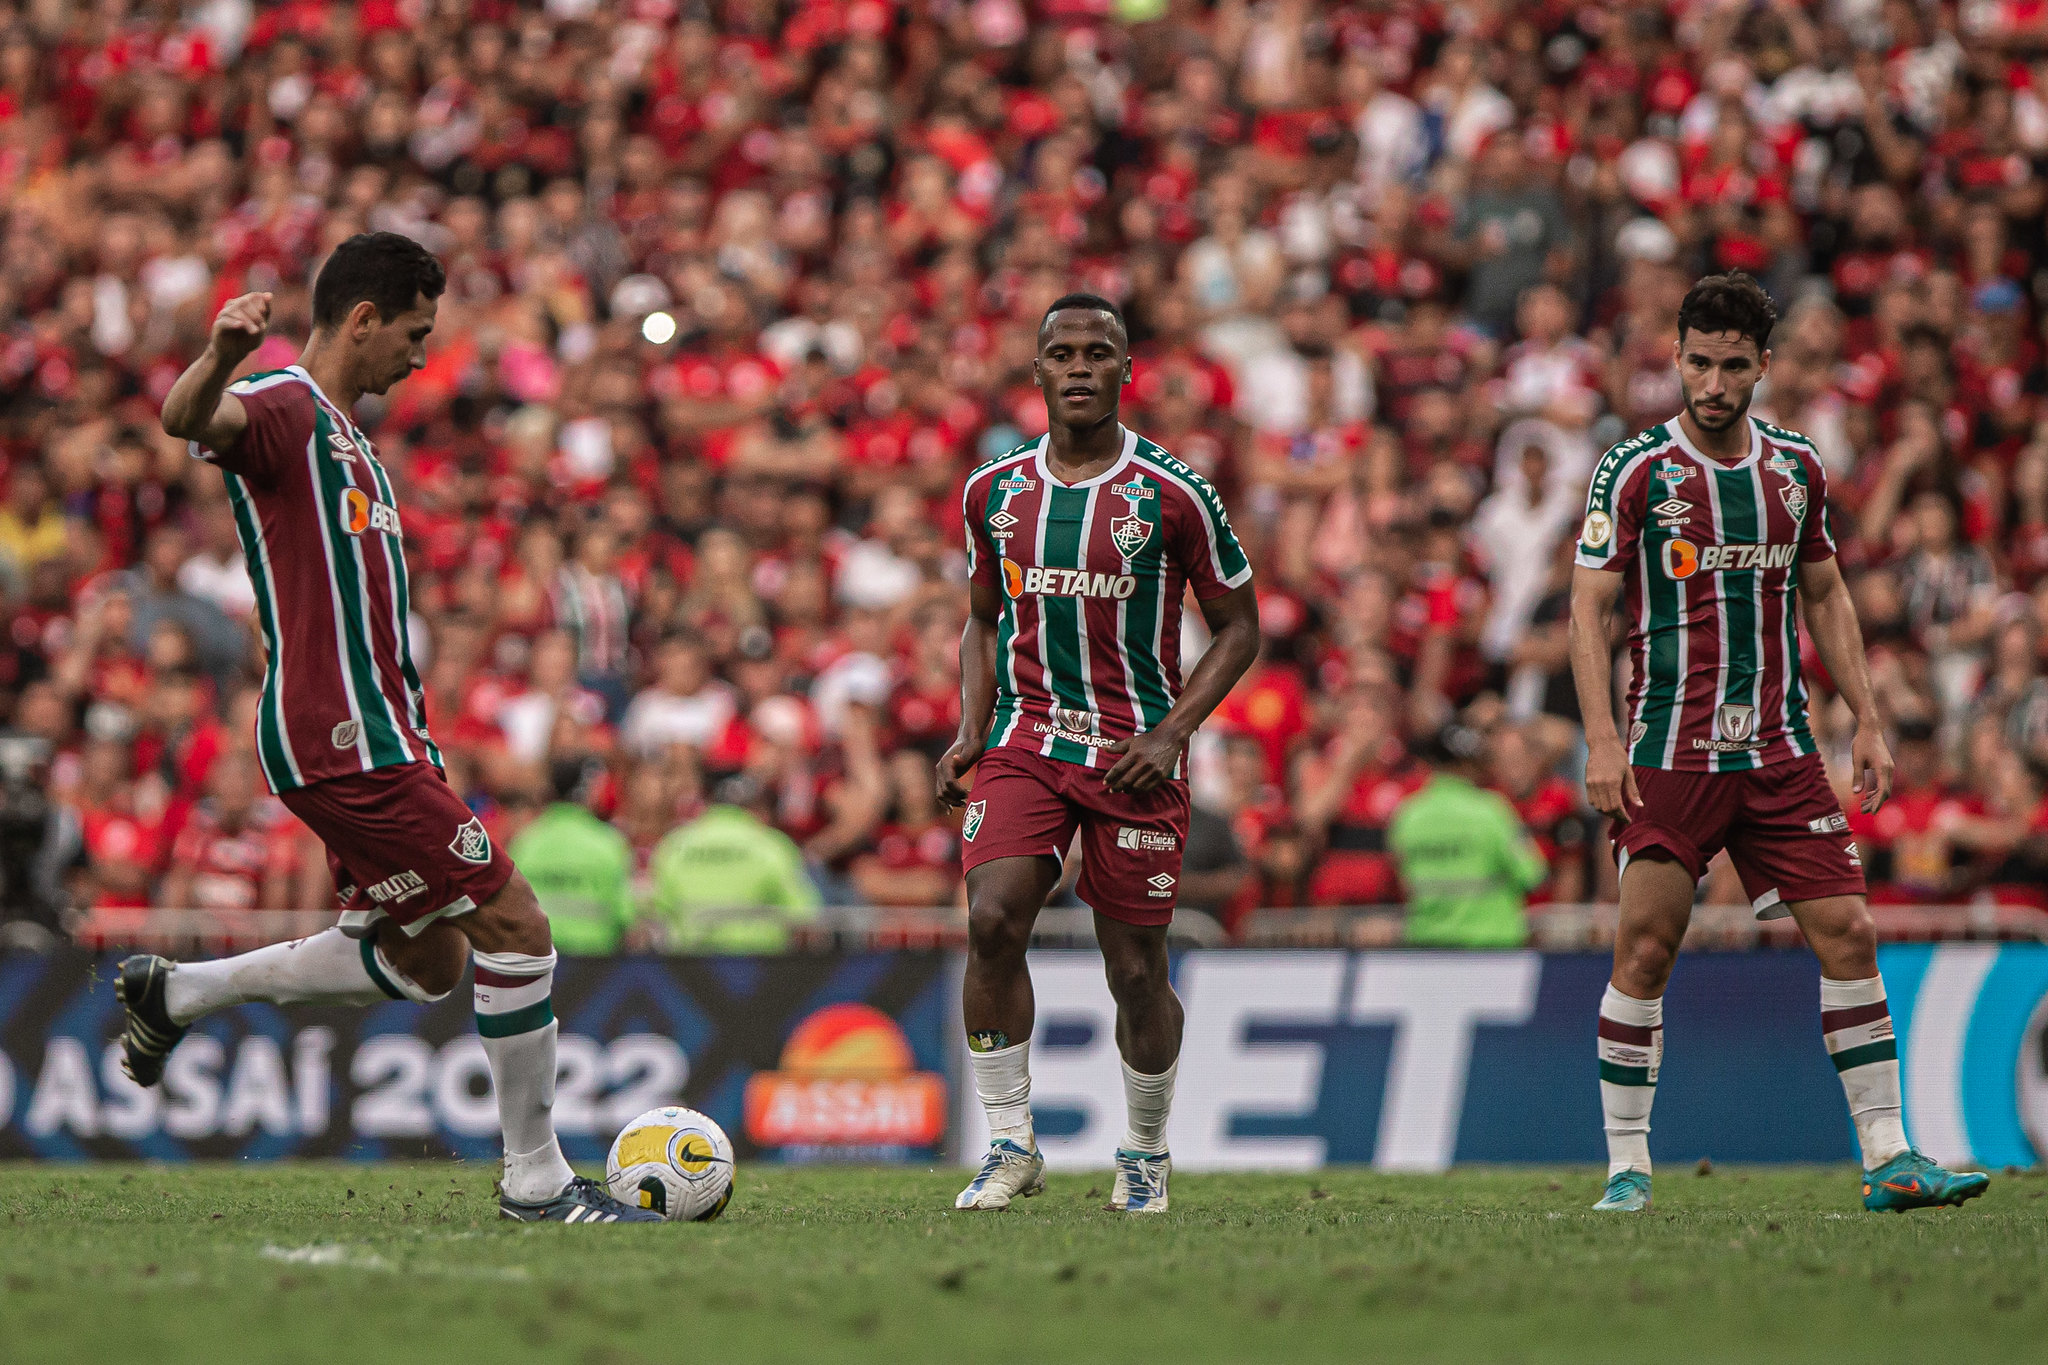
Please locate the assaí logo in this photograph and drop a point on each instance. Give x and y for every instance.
(848, 1089)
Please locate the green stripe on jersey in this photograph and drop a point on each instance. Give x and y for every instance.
(1664, 626)
(273, 748)
(1141, 613)
(1740, 596)
(402, 610)
(1064, 619)
(386, 742)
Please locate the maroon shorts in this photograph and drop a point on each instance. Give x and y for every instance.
(401, 845)
(1782, 826)
(1024, 805)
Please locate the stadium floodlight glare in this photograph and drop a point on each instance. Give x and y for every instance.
(659, 328)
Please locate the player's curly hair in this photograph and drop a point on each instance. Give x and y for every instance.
(386, 268)
(1733, 302)
(1090, 303)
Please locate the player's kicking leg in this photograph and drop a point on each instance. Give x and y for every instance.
(1656, 906)
(1148, 1032)
(1856, 1023)
(437, 901)
(1004, 897)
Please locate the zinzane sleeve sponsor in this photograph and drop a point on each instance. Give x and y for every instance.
(280, 413)
(1816, 531)
(1207, 547)
(1613, 525)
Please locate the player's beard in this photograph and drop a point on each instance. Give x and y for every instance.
(1726, 421)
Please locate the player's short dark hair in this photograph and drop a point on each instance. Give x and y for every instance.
(1093, 303)
(386, 268)
(1733, 302)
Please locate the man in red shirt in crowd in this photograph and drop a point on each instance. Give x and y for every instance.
(238, 851)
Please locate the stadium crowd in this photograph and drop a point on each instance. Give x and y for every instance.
(739, 292)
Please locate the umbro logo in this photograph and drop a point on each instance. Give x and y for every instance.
(1162, 886)
(1672, 507)
(1003, 520)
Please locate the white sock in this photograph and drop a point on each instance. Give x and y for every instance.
(1857, 1024)
(515, 1015)
(328, 968)
(1631, 1047)
(1147, 1101)
(1003, 1080)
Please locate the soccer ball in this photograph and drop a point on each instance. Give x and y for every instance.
(675, 1161)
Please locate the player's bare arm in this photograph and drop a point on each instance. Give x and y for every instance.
(1610, 782)
(1838, 636)
(977, 692)
(198, 407)
(1150, 758)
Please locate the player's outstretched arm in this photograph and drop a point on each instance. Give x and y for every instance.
(1610, 782)
(1150, 758)
(1838, 637)
(977, 692)
(198, 407)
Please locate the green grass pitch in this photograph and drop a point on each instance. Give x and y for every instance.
(401, 1263)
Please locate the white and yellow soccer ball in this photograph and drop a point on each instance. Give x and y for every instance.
(675, 1161)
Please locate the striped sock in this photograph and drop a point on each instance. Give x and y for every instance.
(1857, 1024)
(1631, 1047)
(515, 1015)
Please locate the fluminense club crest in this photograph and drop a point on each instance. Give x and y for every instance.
(1794, 494)
(471, 844)
(971, 824)
(1130, 534)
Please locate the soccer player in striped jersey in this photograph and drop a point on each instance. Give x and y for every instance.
(1074, 717)
(341, 730)
(1709, 529)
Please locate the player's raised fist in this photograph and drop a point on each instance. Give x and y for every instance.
(239, 328)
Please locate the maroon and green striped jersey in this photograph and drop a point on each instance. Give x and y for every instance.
(319, 529)
(1711, 554)
(1092, 576)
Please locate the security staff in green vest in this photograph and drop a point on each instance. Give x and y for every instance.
(730, 882)
(581, 868)
(1465, 859)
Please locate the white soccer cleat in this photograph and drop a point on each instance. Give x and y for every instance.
(1007, 1172)
(1141, 1181)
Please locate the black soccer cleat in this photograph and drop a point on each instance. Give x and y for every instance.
(582, 1201)
(150, 1035)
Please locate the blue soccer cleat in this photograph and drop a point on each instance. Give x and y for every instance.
(1141, 1181)
(581, 1201)
(1008, 1171)
(1910, 1181)
(1627, 1192)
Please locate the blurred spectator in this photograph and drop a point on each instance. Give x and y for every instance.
(239, 849)
(728, 881)
(1466, 861)
(738, 297)
(42, 848)
(916, 858)
(581, 868)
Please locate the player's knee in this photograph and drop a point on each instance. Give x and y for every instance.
(510, 922)
(1643, 967)
(1135, 976)
(426, 968)
(994, 931)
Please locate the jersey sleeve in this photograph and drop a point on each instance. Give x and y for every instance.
(280, 423)
(1204, 542)
(982, 559)
(1612, 531)
(1816, 528)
